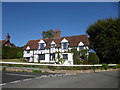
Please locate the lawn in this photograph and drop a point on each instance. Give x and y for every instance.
(11, 60)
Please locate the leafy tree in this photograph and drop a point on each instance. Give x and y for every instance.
(84, 56)
(93, 58)
(76, 55)
(79, 57)
(48, 34)
(104, 36)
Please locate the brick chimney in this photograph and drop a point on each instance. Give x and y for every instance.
(7, 37)
(57, 33)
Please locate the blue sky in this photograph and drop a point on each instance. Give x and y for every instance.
(25, 21)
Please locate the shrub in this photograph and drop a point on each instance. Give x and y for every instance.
(62, 60)
(93, 58)
(22, 60)
(4, 69)
(117, 66)
(105, 66)
(114, 67)
(37, 71)
(53, 68)
(45, 72)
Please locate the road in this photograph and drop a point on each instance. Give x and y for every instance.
(37, 80)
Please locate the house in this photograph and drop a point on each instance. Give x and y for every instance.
(48, 50)
(7, 42)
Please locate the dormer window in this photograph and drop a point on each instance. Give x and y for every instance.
(42, 46)
(65, 45)
(53, 44)
(81, 47)
(28, 51)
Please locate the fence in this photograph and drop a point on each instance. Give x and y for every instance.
(99, 65)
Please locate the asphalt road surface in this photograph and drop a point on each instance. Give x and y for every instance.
(8, 77)
(37, 80)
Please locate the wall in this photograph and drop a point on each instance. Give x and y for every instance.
(47, 56)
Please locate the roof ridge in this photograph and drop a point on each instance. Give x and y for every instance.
(60, 37)
(76, 35)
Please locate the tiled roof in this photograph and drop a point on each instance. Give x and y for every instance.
(73, 41)
(2, 42)
(6, 43)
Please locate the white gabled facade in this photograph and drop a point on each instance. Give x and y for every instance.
(48, 50)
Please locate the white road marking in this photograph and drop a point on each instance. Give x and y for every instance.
(44, 76)
(51, 75)
(21, 75)
(27, 79)
(67, 74)
(60, 75)
(15, 81)
(37, 77)
(2, 84)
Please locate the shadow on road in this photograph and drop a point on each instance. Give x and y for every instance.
(103, 73)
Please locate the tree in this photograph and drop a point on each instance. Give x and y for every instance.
(104, 37)
(76, 55)
(84, 55)
(93, 58)
(48, 34)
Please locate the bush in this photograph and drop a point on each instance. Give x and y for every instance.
(105, 66)
(4, 69)
(93, 58)
(117, 66)
(22, 60)
(37, 71)
(11, 53)
(62, 60)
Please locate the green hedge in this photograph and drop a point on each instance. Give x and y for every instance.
(11, 53)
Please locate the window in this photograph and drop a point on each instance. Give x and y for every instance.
(65, 45)
(27, 59)
(41, 46)
(52, 56)
(41, 56)
(81, 47)
(28, 51)
(65, 56)
(52, 45)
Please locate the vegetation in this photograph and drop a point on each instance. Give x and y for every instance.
(4, 69)
(84, 56)
(37, 71)
(76, 55)
(53, 68)
(104, 36)
(79, 57)
(48, 34)
(13, 60)
(11, 53)
(62, 60)
(105, 66)
(93, 58)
